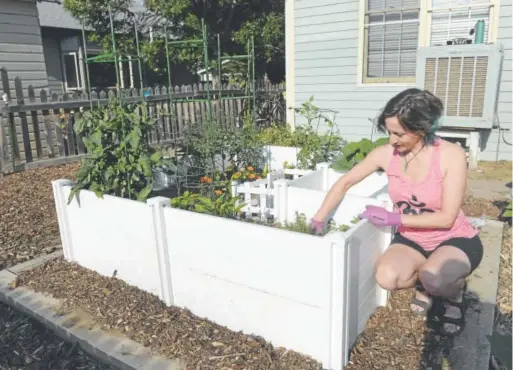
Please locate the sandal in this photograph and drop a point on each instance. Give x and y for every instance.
(459, 322)
(425, 305)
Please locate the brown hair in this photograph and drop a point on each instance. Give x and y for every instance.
(417, 111)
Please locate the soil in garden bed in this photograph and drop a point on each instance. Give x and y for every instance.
(26, 344)
(28, 221)
(170, 331)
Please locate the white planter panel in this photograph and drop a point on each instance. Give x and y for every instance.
(324, 179)
(276, 155)
(274, 283)
(112, 235)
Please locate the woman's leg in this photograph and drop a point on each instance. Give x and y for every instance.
(445, 271)
(398, 266)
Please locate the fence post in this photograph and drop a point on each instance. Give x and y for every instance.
(157, 205)
(18, 87)
(280, 200)
(5, 124)
(324, 168)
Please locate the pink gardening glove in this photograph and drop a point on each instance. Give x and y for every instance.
(380, 216)
(318, 227)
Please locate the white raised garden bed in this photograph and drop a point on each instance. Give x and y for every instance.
(309, 294)
(305, 194)
(275, 156)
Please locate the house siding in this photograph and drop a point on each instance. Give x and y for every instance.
(497, 143)
(326, 67)
(21, 49)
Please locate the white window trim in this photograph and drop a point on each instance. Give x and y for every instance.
(424, 35)
(77, 71)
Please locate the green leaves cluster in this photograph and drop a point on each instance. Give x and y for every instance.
(119, 160)
(234, 21)
(224, 205)
(353, 153)
(314, 147)
(236, 145)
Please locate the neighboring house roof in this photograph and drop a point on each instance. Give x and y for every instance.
(53, 14)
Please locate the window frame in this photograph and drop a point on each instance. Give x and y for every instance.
(424, 38)
(78, 72)
(380, 80)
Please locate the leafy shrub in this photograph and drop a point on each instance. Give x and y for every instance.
(119, 160)
(353, 153)
(224, 205)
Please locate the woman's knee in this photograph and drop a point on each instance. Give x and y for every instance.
(390, 278)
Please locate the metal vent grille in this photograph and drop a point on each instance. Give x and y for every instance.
(460, 82)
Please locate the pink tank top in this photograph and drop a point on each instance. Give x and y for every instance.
(424, 196)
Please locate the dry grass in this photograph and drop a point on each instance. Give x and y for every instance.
(492, 170)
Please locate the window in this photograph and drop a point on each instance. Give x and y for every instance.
(391, 34)
(394, 29)
(72, 78)
(453, 19)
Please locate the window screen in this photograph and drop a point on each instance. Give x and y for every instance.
(448, 24)
(392, 32)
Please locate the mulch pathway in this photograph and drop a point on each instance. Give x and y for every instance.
(394, 337)
(25, 344)
(170, 331)
(28, 220)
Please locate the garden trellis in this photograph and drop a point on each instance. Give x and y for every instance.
(114, 56)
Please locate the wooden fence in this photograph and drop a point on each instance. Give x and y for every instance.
(37, 131)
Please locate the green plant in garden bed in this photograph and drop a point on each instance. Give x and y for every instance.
(314, 147)
(353, 153)
(236, 145)
(120, 160)
(223, 205)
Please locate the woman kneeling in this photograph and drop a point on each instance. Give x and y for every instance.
(435, 247)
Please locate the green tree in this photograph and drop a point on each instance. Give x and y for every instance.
(233, 20)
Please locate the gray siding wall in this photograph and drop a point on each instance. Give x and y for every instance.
(500, 141)
(52, 52)
(326, 60)
(21, 49)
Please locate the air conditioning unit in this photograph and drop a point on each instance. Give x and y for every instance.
(466, 79)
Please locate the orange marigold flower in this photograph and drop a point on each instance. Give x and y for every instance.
(251, 176)
(218, 192)
(250, 168)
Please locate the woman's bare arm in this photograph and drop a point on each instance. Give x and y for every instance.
(373, 162)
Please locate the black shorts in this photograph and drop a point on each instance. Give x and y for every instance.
(472, 247)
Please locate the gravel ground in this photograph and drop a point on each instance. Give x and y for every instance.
(26, 345)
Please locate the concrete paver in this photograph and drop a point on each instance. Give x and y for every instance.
(471, 349)
(111, 349)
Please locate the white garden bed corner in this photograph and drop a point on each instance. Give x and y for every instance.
(309, 294)
(274, 156)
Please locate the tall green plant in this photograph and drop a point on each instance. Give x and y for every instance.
(119, 160)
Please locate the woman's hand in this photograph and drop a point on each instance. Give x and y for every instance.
(379, 216)
(318, 227)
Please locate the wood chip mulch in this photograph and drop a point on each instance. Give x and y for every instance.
(28, 221)
(144, 318)
(25, 344)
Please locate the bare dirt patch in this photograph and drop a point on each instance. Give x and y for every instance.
(492, 170)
